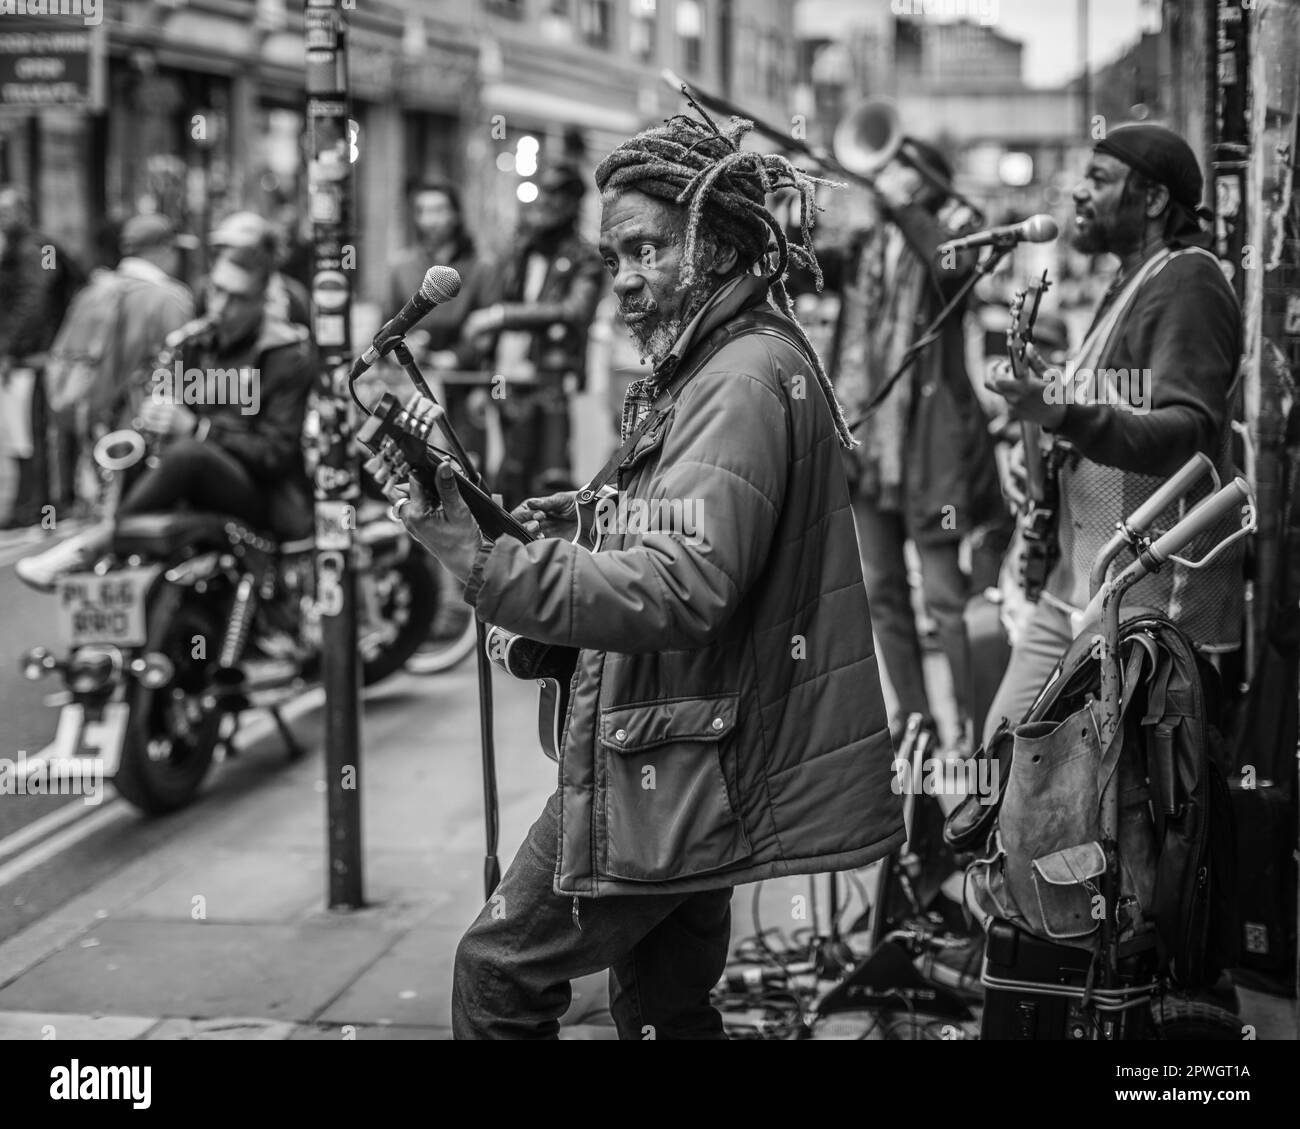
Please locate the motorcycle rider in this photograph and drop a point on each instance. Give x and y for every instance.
(232, 414)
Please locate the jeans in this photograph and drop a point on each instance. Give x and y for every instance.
(1046, 638)
(209, 478)
(664, 952)
(881, 537)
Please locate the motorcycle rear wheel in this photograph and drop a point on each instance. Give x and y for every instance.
(171, 736)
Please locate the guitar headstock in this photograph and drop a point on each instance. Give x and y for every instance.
(1020, 331)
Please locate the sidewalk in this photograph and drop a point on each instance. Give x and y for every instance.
(222, 931)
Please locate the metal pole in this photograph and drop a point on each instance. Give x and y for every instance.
(329, 184)
(1085, 80)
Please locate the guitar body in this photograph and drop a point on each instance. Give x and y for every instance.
(401, 435)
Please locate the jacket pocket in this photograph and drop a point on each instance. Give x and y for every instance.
(668, 811)
(1065, 883)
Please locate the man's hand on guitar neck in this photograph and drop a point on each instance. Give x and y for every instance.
(1027, 395)
(448, 530)
(556, 515)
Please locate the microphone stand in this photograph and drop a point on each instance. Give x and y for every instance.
(491, 805)
(931, 334)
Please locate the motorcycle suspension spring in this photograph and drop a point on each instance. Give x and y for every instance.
(241, 621)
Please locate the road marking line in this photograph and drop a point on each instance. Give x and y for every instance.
(49, 823)
(44, 831)
(111, 813)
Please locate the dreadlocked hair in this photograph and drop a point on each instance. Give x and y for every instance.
(699, 166)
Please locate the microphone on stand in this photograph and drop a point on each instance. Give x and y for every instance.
(440, 284)
(1036, 229)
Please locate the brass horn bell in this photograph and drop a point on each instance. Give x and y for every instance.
(119, 450)
(868, 137)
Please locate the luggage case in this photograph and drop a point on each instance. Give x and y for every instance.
(1266, 887)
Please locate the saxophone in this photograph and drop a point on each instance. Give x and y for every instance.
(119, 451)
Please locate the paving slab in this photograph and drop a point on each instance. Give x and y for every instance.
(67, 1026)
(202, 970)
(222, 1029)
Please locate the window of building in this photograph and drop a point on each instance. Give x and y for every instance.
(512, 8)
(642, 30)
(689, 18)
(593, 22)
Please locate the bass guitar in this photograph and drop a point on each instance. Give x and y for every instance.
(400, 435)
(1038, 514)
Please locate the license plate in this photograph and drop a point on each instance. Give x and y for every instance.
(105, 609)
(77, 737)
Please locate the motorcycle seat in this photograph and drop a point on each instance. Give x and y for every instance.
(166, 534)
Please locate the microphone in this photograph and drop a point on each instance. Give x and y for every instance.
(440, 284)
(1036, 229)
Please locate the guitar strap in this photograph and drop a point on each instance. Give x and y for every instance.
(756, 320)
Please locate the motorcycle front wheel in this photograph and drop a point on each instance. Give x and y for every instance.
(171, 735)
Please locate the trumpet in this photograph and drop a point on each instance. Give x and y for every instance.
(122, 449)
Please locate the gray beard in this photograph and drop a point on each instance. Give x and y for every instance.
(657, 344)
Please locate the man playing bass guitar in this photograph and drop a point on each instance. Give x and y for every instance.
(1152, 383)
(726, 721)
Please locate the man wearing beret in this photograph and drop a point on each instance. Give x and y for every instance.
(1153, 382)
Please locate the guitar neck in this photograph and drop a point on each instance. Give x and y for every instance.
(1035, 474)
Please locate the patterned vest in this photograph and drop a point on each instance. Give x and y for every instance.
(1206, 603)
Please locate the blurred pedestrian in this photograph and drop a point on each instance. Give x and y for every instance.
(442, 239)
(536, 334)
(37, 281)
(114, 329)
(925, 471)
(217, 456)
(286, 298)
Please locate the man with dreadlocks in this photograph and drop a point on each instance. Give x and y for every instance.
(726, 721)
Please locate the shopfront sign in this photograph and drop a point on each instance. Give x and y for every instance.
(50, 64)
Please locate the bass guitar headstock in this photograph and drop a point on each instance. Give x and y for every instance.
(1020, 331)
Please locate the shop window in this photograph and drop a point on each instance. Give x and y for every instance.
(689, 18)
(642, 30)
(593, 22)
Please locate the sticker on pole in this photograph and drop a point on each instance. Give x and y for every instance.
(335, 524)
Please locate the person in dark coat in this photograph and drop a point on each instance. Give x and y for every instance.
(727, 722)
(925, 471)
(535, 334)
(1153, 382)
(38, 279)
(231, 430)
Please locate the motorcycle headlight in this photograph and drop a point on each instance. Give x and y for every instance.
(153, 671)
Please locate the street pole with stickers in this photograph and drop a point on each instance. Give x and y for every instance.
(337, 471)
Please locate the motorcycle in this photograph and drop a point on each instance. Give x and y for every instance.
(191, 619)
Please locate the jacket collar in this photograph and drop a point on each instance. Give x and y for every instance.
(132, 266)
(731, 298)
